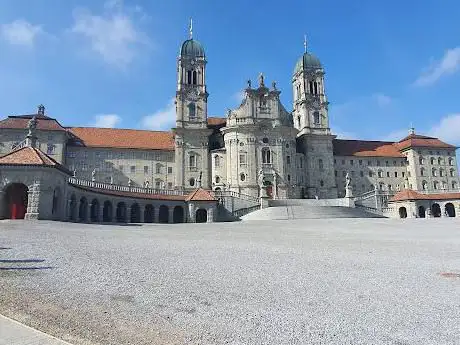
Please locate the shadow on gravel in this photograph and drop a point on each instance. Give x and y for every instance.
(4, 248)
(25, 268)
(120, 224)
(21, 261)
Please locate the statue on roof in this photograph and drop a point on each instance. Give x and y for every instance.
(274, 85)
(249, 83)
(32, 125)
(41, 109)
(261, 80)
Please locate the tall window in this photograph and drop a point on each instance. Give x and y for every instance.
(191, 110)
(432, 160)
(158, 168)
(192, 161)
(288, 160)
(422, 171)
(441, 172)
(439, 160)
(189, 77)
(242, 159)
(421, 160)
(424, 185)
(146, 169)
(266, 155)
(452, 172)
(451, 161)
(316, 117)
(217, 161)
(436, 185)
(320, 164)
(433, 172)
(194, 78)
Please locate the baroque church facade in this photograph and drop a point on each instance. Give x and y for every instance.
(292, 153)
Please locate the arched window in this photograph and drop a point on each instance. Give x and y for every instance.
(422, 171)
(316, 87)
(452, 172)
(242, 177)
(191, 110)
(320, 164)
(433, 172)
(321, 183)
(424, 185)
(451, 161)
(439, 160)
(316, 117)
(266, 155)
(432, 160)
(189, 77)
(298, 121)
(217, 179)
(444, 185)
(436, 185)
(441, 172)
(421, 160)
(311, 87)
(194, 78)
(191, 182)
(380, 173)
(217, 161)
(454, 185)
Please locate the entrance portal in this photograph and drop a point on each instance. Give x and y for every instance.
(402, 212)
(201, 216)
(421, 212)
(15, 201)
(436, 210)
(450, 209)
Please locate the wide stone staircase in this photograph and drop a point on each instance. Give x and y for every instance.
(309, 209)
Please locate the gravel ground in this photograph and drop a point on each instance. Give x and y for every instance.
(342, 281)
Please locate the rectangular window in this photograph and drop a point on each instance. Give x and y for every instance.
(169, 170)
(133, 169)
(344, 173)
(388, 174)
(361, 173)
(368, 162)
(242, 159)
(396, 174)
(360, 162)
(50, 149)
(288, 160)
(351, 161)
(394, 163)
(387, 163)
(120, 167)
(158, 169)
(335, 173)
(146, 169)
(170, 185)
(343, 161)
(378, 163)
(403, 174)
(192, 161)
(352, 173)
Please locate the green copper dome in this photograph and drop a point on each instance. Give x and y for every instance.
(192, 48)
(307, 61)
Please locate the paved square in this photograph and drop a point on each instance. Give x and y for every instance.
(342, 281)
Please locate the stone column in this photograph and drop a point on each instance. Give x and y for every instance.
(156, 214)
(191, 210)
(210, 215)
(171, 214)
(128, 214)
(2, 204)
(33, 202)
(141, 213)
(101, 213)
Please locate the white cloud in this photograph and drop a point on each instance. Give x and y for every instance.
(396, 135)
(449, 64)
(107, 120)
(448, 129)
(113, 35)
(21, 32)
(342, 134)
(163, 119)
(382, 99)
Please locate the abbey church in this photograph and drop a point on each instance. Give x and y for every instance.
(289, 149)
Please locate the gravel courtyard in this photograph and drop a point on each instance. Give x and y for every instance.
(341, 281)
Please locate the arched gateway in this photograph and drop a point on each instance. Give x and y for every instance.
(15, 201)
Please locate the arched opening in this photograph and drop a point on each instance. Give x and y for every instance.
(201, 216)
(56, 203)
(194, 78)
(421, 212)
(402, 212)
(178, 214)
(121, 212)
(107, 212)
(148, 214)
(450, 209)
(83, 210)
(15, 201)
(94, 211)
(266, 155)
(73, 208)
(436, 210)
(163, 215)
(269, 188)
(135, 213)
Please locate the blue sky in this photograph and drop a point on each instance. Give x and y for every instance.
(112, 63)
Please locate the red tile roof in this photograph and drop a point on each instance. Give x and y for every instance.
(363, 148)
(200, 194)
(132, 194)
(123, 138)
(30, 156)
(20, 122)
(216, 121)
(409, 194)
(416, 140)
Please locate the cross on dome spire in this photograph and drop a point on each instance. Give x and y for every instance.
(190, 29)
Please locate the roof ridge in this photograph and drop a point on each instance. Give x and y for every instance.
(119, 129)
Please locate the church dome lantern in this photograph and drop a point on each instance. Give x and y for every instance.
(307, 61)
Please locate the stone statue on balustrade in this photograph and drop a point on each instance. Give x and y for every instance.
(348, 188)
(261, 183)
